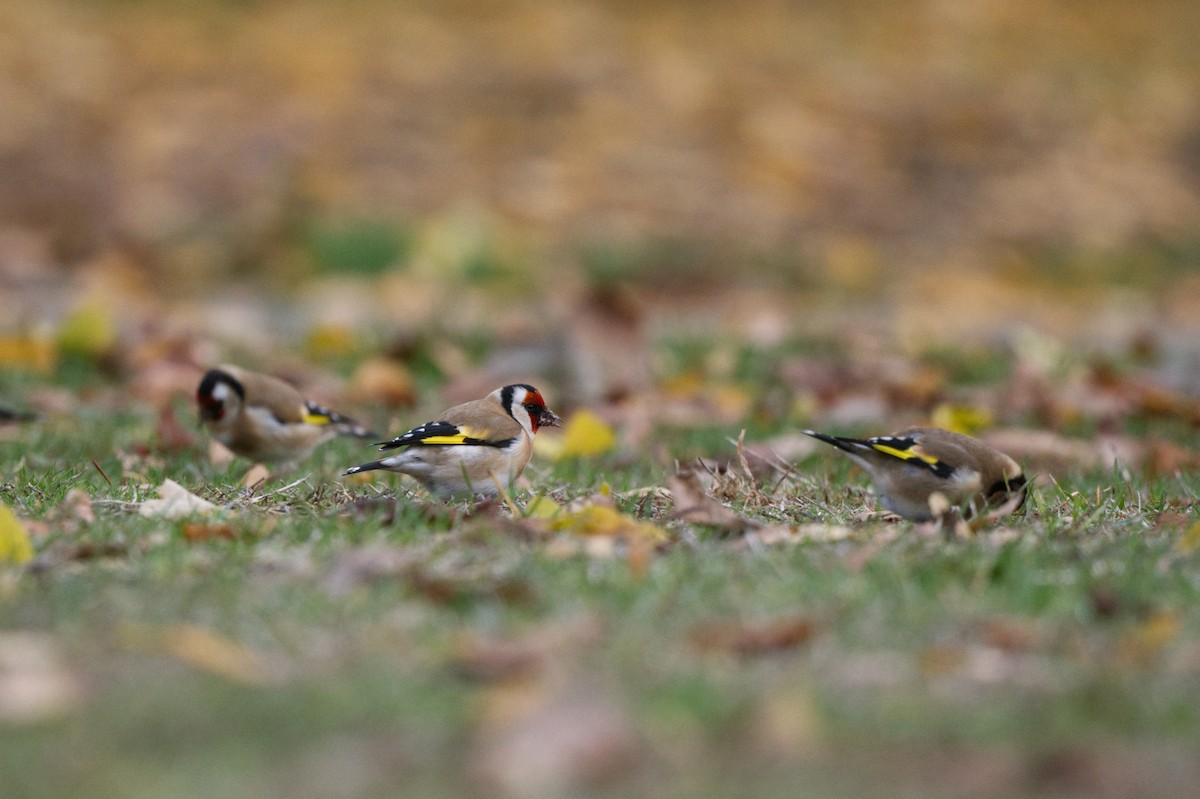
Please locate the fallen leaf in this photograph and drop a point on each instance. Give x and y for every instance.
(89, 330)
(1143, 643)
(453, 590)
(170, 435)
(586, 435)
(255, 476)
(965, 419)
(195, 531)
(203, 649)
(753, 639)
(1189, 541)
(35, 683)
(570, 742)
(219, 455)
(542, 507)
(28, 352)
(15, 546)
(77, 506)
(491, 661)
(693, 505)
(606, 521)
(383, 381)
(175, 502)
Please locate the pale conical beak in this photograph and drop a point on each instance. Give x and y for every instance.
(548, 418)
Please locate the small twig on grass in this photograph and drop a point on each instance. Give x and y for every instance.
(102, 474)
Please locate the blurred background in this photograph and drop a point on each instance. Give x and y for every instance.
(341, 176)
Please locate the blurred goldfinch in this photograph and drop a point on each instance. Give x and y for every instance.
(264, 418)
(923, 472)
(472, 448)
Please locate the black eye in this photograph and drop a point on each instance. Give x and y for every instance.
(532, 406)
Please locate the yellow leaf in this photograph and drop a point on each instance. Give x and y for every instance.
(586, 435)
(14, 541)
(965, 419)
(202, 649)
(1148, 639)
(329, 341)
(1190, 540)
(602, 520)
(542, 508)
(28, 351)
(90, 330)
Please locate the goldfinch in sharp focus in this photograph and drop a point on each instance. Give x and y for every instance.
(471, 448)
(264, 418)
(912, 468)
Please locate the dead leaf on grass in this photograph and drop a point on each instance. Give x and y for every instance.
(366, 565)
(606, 521)
(451, 590)
(219, 455)
(203, 649)
(693, 505)
(1048, 452)
(492, 660)
(753, 639)
(175, 502)
(15, 546)
(561, 745)
(35, 682)
(1145, 642)
(255, 476)
(584, 435)
(170, 435)
(195, 532)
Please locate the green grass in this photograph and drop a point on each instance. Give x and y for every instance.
(1070, 635)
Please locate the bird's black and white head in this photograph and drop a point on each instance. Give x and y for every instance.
(219, 397)
(524, 403)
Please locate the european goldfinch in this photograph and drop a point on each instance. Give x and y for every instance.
(473, 448)
(264, 418)
(923, 472)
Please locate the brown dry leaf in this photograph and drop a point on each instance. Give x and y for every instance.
(693, 505)
(175, 502)
(203, 649)
(195, 531)
(562, 745)
(77, 506)
(788, 722)
(367, 565)
(607, 333)
(1011, 634)
(1048, 452)
(1143, 644)
(491, 661)
(35, 682)
(753, 639)
(1166, 458)
(219, 455)
(383, 381)
(170, 435)
(255, 476)
(452, 590)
